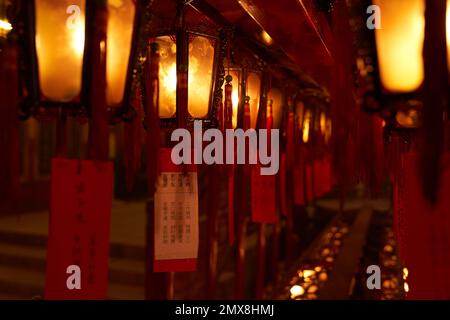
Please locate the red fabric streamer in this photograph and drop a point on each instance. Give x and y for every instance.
(343, 105)
(228, 124)
(99, 120)
(9, 128)
(435, 91)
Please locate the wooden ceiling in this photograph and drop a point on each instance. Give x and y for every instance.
(301, 34)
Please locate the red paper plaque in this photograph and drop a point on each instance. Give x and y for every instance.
(263, 197)
(80, 211)
(176, 217)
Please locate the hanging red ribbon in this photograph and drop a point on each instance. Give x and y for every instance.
(9, 127)
(98, 123)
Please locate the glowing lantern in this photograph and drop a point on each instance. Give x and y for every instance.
(188, 59)
(55, 33)
(5, 25)
(200, 75)
(307, 126)
(400, 44)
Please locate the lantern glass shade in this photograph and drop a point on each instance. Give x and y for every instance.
(235, 94)
(167, 77)
(254, 92)
(307, 123)
(5, 25)
(60, 33)
(323, 123)
(200, 77)
(277, 106)
(299, 111)
(400, 44)
(119, 39)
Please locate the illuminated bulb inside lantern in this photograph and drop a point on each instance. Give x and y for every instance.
(77, 43)
(235, 102)
(406, 287)
(297, 291)
(306, 125)
(405, 273)
(60, 30)
(306, 131)
(201, 60)
(323, 123)
(399, 52)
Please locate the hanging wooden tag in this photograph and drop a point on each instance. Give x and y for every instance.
(78, 243)
(176, 217)
(263, 197)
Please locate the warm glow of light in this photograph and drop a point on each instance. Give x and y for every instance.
(306, 126)
(266, 38)
(5, 27)
(167, 77)
(406, 287)
(201, 60)
(323, 123)
(201, 63)
(60, 47)
(77, 41)
(254, 92)
(297, 291)
(308, 273)
(400, 43)
(405, 273)
(235, 101)
(119, 37)
(448, 32)
(277, 107)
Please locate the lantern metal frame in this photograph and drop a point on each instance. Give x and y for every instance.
(250, 63)
(180, 30)
(34, 103)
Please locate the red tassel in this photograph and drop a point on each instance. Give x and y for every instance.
(9, 126)
(228, 124)
(343, 105)
(98, 124)
(435, 90)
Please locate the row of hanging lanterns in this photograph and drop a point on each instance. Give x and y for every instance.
(55, 54)
(400, 58)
